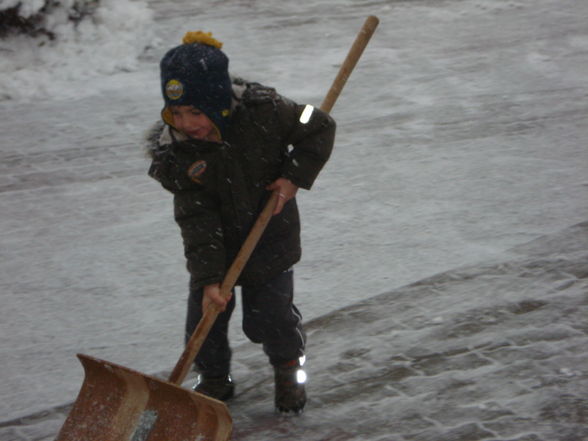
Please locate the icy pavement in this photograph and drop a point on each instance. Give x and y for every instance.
(462, 135)
(491, 352)
(495, 352)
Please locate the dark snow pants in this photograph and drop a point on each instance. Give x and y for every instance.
(269, 318)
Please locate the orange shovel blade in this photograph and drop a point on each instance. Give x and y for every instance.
(118, 404)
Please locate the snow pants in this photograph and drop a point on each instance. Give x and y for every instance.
(269, 317)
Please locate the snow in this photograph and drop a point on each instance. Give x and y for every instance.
(444, 272)
(65, 68)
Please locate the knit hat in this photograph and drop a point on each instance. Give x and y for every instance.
(196, 73)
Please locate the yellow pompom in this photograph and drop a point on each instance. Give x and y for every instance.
(201, 37)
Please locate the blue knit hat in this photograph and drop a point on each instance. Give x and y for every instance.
(197, 73)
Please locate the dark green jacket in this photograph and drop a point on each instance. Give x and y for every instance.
(219, 189)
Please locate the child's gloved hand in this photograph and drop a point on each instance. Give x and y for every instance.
(286, 191)
(212, 295)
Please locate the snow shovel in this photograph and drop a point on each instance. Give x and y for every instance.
(116, 403)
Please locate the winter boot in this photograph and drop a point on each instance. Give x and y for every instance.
(221, 388)
(290, 395)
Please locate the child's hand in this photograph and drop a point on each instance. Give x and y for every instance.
(212, 295)
(286, 191)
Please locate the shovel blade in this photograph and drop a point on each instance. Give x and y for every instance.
(116, 403)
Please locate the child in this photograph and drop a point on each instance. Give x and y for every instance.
(223, 147)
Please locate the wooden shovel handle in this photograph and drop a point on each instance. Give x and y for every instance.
(361, 41)
(210, 314)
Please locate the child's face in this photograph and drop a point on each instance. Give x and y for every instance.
(193, 123)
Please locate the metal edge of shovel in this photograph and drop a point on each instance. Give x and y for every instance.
(116, 403)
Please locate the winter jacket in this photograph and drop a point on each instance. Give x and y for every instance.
(219, 188)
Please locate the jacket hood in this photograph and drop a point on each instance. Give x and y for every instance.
(152, 138)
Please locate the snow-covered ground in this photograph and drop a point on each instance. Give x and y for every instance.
(459, 171)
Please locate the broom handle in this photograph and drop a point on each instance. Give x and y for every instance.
(212, 311)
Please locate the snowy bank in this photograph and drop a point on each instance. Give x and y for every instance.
(62, 61)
